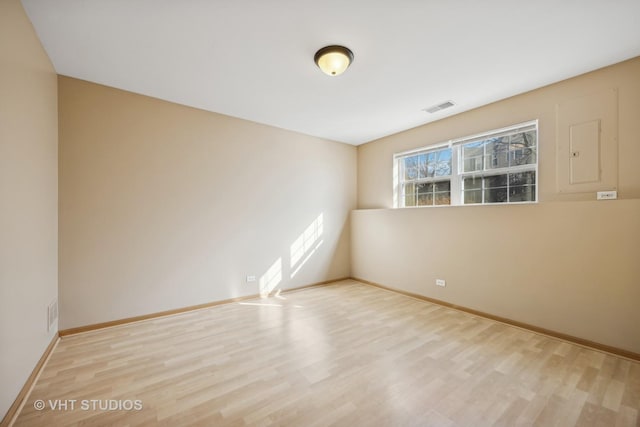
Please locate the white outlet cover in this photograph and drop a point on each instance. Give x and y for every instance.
(607, 195)
(441, 282)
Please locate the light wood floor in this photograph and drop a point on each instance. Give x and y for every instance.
(346, 354)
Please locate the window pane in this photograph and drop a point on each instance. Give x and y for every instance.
(427, 165)
(409, 188)
(410, 168)
(495, 181)
(423, 165)
(424, 188)
(472, 196)
(425, 194)
(524, 139)
(472, 164)
(421, 160)
(522, 148)
(443, 186)
(522, 178)
(472, 183)
(495, 195)
(522, 156)
(522, 193)
(497, 153)
(443, 198)
(430, 170)
(443, 163)
(409, 195)
(522, 187)
(472, 155)
(425, 199)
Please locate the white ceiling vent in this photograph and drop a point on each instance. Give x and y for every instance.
(436, 108)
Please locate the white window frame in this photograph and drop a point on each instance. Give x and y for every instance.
(427, 180)
(457, 175)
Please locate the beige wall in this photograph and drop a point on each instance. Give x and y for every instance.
(28, 199)
(164, 206)
(375, 189)
(568, 263)
(569, 267)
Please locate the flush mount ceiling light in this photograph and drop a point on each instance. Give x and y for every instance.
(333, 60)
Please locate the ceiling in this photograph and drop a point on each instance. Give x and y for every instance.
(253, 59)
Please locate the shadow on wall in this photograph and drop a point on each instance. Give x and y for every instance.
(300, 251)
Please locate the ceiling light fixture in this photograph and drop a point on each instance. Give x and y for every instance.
(333, 60)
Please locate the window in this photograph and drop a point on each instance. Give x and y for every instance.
(426, 178)
(496, 167)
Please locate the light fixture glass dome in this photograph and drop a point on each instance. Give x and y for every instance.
(333, 60)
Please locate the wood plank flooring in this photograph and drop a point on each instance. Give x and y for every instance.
(346, 354)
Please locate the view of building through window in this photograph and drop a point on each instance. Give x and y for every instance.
(496, 167)
(423, 177)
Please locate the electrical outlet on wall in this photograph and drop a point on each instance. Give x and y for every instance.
(607, 195)
(441, 282)
(251, 279)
